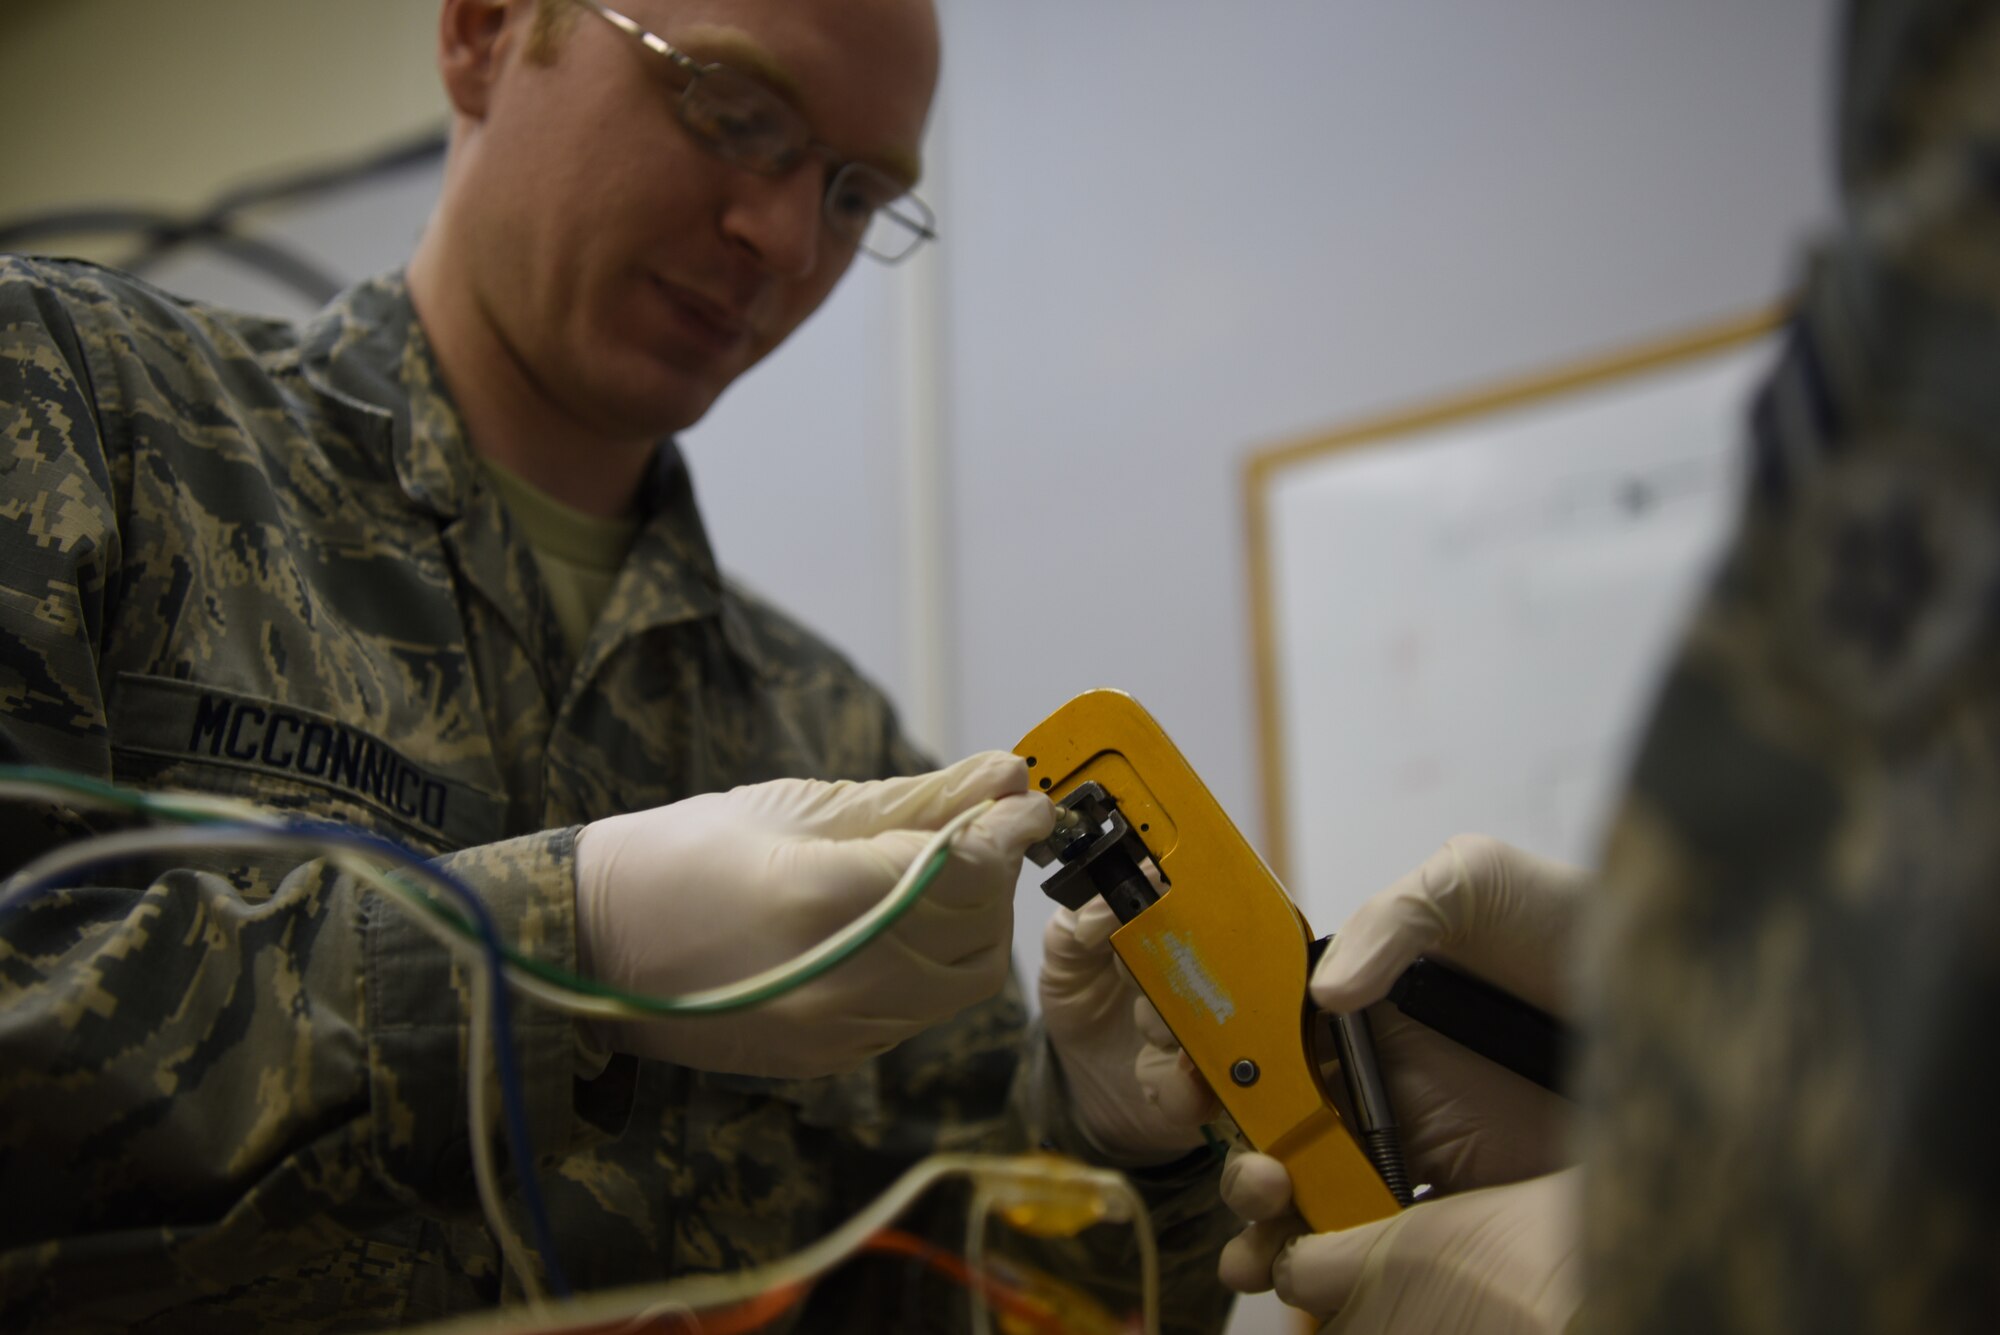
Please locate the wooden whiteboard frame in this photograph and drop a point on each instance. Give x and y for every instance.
(1264, 469)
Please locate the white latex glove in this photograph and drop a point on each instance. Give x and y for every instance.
(1508, 917)
(713, 889)
(1465, 1122)
(1494, 910)
(1131, 1097)
(1499, 1261)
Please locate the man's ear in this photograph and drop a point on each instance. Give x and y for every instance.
(473, 41)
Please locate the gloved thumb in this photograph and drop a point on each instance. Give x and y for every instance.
(983, 859)
(1501, 1259)
(1503, 913)
(1166, 1075)
(1319, 1271)
(1079, 940)
(1257, 1190)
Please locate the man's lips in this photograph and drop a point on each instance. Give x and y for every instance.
(718, 324)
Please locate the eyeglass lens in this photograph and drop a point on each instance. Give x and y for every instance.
(744, 122)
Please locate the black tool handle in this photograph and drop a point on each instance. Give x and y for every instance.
(1497, 1025)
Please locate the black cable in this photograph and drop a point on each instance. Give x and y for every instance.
(216, 225)
(68, 222)
(319, 180)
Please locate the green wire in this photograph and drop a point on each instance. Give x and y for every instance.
(130, 800)
(554, 973)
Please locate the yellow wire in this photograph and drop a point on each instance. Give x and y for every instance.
(700, 1291)
(705, 1292)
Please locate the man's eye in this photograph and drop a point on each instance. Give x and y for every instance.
(859, 194)
(743, 123)
(852, 204)
(741, 118)
(722, 121)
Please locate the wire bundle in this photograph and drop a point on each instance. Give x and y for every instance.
(453, 913)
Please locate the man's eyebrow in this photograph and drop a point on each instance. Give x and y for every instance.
(710, 44)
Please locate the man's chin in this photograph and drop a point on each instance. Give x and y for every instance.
(654, 406)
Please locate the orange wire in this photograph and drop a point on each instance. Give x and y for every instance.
(1003, 1296)
(754, 1313)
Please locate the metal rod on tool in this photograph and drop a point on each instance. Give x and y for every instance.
(1374, 1115)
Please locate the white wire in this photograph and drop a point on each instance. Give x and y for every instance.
(557, 995)
(699, 1293)
(129, 843)
(695, 1292)
(861, 926)
(975, 1255)
(603, 1007)
(485, 1173)
(480, 1128)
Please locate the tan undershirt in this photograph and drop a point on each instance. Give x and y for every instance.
(579, 555)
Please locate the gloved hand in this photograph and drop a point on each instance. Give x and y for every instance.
(1499, 1261)
(1133, 1099)
(1500, 913)
(1466, 1123)
(715, 888)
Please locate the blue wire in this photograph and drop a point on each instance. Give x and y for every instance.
(513, 1102)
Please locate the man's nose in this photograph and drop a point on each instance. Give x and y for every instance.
(778, 218)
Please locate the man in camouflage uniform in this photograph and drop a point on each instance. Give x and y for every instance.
(1792, 964)
(1791, 1111)
(301, 566)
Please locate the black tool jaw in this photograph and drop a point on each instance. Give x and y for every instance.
(1100, 855)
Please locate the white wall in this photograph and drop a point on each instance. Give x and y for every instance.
(1176, 232)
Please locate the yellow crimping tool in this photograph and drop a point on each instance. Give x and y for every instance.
(1222, 952)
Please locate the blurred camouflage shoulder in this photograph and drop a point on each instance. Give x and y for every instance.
(858, 717)
(105, 305)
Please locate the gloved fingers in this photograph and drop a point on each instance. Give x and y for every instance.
(892, 984)
(1170, 1083)
(1001, 835)
(1517, 920)
(1246, 1260)
(1318, 1272)
(819, 886)
(1166, 1073)
(938, 937)
(1151, 1027)
(1382, 937)
(983, 863)
(847, 876)
(1466, 1122)
(917, 802)
(1502, 1259)
(1087, 996)
(887, 983)
(1079, 939)
(1503, 913)
(1256, 1187)
(1082, 979)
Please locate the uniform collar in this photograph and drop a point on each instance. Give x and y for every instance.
(367, 353)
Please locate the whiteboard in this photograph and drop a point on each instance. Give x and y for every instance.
(1463, 612)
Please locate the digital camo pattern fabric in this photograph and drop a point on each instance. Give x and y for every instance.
(244, 558)
(1791, 1104)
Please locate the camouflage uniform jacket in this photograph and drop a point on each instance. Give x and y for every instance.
(247, 558)
(1791, 1103)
